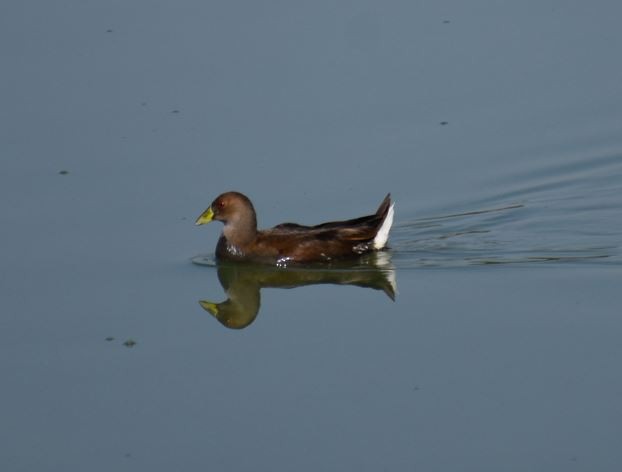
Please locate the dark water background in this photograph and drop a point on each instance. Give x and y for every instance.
(498, 130)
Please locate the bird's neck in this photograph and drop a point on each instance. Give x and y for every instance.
(242, 230)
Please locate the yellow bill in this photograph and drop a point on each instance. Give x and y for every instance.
(209, 306)
(205, 217)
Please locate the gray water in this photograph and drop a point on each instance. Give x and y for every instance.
(497, 128)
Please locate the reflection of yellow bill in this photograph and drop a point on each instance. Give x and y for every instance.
(209, 306)
(205, 217)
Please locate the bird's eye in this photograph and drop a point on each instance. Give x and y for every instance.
(221, 204)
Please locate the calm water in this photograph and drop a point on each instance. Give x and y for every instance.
(486, 339)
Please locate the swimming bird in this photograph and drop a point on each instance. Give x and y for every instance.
(291, 242)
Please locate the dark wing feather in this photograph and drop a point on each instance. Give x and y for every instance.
(374, 221)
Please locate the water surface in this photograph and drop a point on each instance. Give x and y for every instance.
(495, 127)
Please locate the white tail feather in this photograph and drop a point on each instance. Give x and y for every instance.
(383, 233)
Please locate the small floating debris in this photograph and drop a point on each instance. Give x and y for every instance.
(443, 123)
(109, 31)
(63, 172)
(446, 21)
(175, 111)
(129, 343)
(109, 338)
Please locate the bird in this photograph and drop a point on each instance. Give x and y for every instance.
(292, 243)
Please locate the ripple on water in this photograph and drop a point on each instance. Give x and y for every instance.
(381, 260)
(207, 260)
(568, 213)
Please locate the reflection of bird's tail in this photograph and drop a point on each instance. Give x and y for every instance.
(386, 207)
(382, 260)
(391, 289)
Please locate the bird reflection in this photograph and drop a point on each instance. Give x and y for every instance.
(243, 283)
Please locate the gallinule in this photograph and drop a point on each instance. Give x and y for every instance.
(290, 242)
